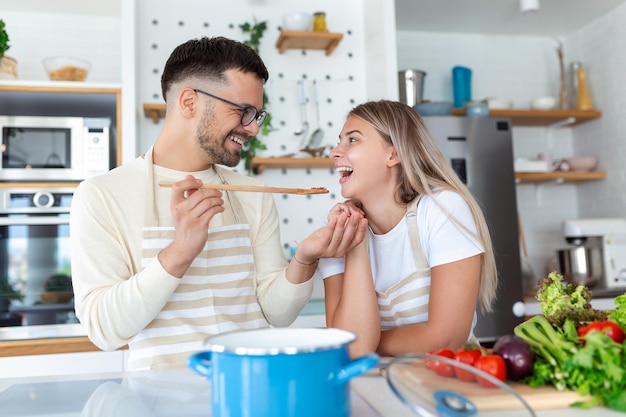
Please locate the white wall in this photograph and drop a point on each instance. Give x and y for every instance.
(601, 47)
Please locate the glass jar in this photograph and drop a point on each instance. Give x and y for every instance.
(319, 22)
(476, 108)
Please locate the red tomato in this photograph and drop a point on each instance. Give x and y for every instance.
(441, 368)
(611, 329)
(468, 357)
(493, 365)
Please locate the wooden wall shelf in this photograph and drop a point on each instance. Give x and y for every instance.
(523, 117)
(154, 111)
(326, 41)
(261, 164)
(558, 177)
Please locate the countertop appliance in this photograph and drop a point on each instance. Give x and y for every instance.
(42, 148)
(607, 237)
(480, 149)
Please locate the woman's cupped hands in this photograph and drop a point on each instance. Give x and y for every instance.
(345, 230)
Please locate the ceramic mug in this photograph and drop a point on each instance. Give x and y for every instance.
(280, 372)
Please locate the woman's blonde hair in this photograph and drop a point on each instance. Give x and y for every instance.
(424, 169)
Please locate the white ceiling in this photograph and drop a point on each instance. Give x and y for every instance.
(502, 17)
(555, 17)
(86, 7)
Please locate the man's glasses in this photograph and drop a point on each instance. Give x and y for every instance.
(248, 113)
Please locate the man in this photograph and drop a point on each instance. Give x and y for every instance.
(161, 269)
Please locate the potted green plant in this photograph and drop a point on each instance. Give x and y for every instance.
(255, 30)
(8, 294)
(58, 289)
(8, 65)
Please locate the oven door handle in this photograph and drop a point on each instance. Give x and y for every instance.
(34, 220)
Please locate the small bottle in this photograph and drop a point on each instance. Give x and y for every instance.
(573, 84)
(319, 22)
(583, 99)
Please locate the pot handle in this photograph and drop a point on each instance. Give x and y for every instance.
(357, 367)
(201, 363)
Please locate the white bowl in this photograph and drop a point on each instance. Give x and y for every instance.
(543, 103)
(299, 21)
(579, 163)
(499, 103)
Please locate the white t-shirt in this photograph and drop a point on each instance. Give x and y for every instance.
(442, 241)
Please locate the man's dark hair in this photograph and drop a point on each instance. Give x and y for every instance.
(210, 58)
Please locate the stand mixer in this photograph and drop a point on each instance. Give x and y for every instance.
(597, 257)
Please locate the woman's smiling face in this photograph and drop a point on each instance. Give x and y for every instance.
(363, 159)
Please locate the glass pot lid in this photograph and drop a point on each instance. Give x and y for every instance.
(430, 395)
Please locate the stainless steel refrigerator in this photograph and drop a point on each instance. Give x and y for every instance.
(480, 150)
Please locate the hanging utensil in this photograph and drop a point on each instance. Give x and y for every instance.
(303, 117)
(318, 134)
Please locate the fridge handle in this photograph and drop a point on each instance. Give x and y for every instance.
(519, 309)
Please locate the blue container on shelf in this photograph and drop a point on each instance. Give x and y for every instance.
(461, 85)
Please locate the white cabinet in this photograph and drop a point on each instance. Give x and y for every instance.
(61, 364)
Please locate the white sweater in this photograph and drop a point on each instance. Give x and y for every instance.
(114, 298)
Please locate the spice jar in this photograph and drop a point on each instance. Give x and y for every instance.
(319, 22)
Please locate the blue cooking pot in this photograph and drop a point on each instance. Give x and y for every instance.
(280, 372)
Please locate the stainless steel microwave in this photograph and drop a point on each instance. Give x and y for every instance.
(41, 148)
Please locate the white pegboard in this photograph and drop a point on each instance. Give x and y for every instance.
(341, 80)
(163, 25)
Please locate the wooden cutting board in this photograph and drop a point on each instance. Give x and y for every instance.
(417, 379)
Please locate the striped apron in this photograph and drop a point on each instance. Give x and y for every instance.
(217, 294)
(406, 302)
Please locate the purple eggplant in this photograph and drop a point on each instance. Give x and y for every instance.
(517, 354)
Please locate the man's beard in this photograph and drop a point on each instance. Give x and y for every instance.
(212, 145)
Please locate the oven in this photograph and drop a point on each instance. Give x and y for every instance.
(35, 277)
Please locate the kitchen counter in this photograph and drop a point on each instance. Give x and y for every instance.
(182, 392)
(71, 338)
(138, 394)
(44, 339)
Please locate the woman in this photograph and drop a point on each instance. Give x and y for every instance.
(413, 284)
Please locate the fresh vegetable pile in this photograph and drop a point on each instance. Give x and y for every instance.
(572, 346)
(511, 358)
(577, 347)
